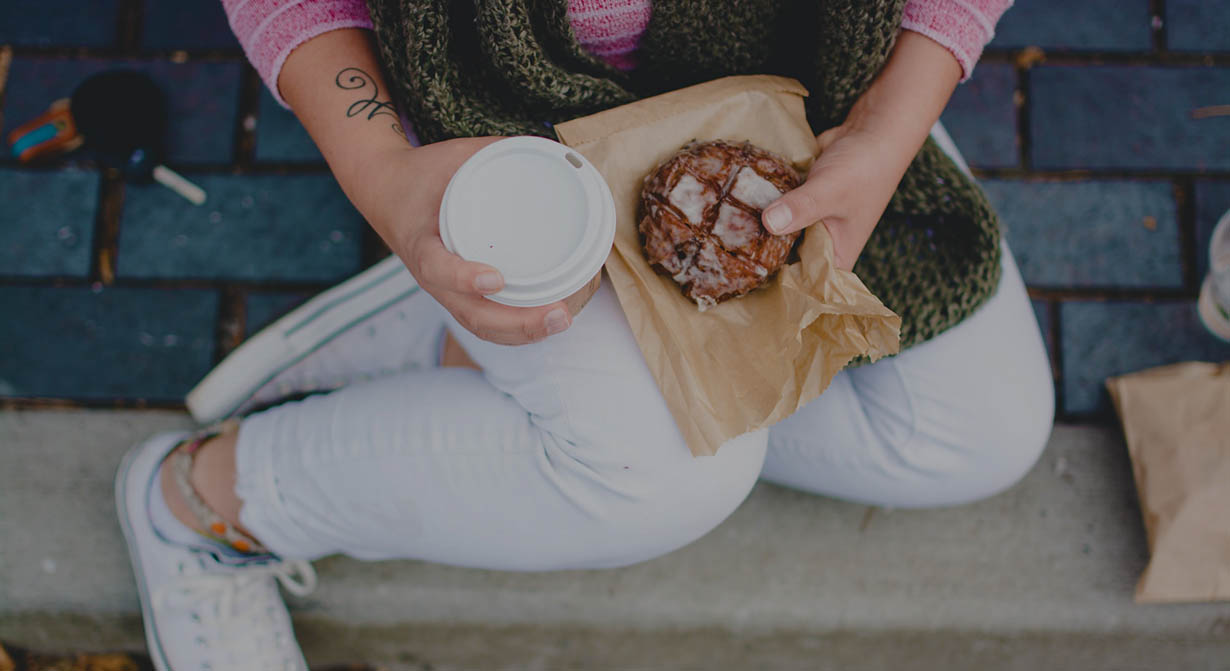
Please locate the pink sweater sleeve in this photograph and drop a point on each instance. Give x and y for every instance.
(963, 26)
(269, 30)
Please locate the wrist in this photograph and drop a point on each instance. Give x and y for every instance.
(880, 142)
(376, 183)
(908, 95)
(897, 130)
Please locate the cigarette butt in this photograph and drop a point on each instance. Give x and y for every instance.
(176, 182)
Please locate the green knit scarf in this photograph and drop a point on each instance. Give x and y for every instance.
(513, 67)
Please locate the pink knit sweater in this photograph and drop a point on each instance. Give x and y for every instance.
(610, 29)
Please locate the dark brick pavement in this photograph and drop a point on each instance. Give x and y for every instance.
(1079, 120)
(280, 228)
(202, 97)
(97, 343)
(1124, 117)
(1091, 233)
(47, 225)
(1084, 25)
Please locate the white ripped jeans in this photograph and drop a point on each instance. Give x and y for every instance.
(562, 454)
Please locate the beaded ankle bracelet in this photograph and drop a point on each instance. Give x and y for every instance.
(219, 529)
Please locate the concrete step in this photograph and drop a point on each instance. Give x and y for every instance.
(1040, 574)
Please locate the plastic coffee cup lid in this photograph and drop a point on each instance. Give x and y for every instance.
(535, 210)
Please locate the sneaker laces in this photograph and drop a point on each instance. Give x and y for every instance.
(240, 608)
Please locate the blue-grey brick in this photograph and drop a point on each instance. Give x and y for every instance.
(280, 136)
(71, 23)
(1087, 25)
(1101, 340)
(1128, 117)
(292, 228)
(103, 344)
(1198, 25)
(1091, 233)
(186, 24)
(981, 117)
(46, 222)
(264, 307)
(203, 99)
(1212, 203)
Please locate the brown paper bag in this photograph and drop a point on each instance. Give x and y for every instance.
(750, 362)
(1177, 423)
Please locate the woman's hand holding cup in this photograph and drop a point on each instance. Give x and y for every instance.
(401, 198)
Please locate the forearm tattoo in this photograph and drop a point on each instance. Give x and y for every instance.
(355, 79)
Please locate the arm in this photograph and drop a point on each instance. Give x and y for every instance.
(862, 160)
(269, 30)
(333, 83)
(961, 26)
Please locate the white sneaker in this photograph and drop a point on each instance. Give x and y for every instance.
(376, 323)
(202, 614)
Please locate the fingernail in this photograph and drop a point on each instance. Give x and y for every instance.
(557, 321)
(487, 281)
(777, 218)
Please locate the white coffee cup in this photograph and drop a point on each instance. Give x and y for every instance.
(1214, 304)
(538, 212)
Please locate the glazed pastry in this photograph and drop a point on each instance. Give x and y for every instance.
(700, 219)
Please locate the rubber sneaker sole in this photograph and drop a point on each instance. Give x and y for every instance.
(125, 508)
(288, 340)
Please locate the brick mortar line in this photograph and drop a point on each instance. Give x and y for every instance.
(372, 248)
(1107, 293)
(1083, 174)
(1088, 58)
(1157, 25)
(6, 60)
(129, 53)
(230, 322)
(1023, 135)
(167, 283)
(130, 14)
(270, 169)
(246, 118)
(1056, 351)
(105, 249)
(1184, 190)
(8, 403)
(254, 168)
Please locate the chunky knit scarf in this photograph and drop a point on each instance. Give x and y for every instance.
(513, 67)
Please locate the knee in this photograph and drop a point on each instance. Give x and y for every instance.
(1003, 444)
(1026, 430)
(679, 501)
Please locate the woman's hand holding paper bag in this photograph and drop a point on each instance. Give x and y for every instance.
(862, 160)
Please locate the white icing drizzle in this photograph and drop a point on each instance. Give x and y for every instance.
(753, 189)
(691, 197)
(735, 227)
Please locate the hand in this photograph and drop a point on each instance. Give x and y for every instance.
(400, 196)
(847, 189)
(862, 161)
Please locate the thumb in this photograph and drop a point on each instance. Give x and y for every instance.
(799, 208)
